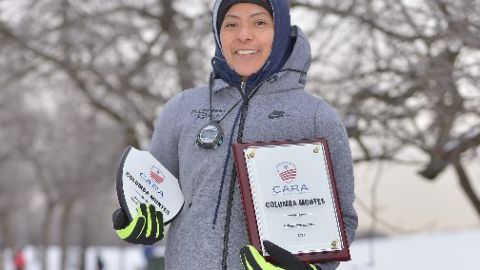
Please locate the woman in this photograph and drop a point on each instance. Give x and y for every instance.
(256, 93)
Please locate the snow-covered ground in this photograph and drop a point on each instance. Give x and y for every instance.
(433, 251)
(439, 251)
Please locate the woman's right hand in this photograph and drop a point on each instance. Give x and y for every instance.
(145, 228)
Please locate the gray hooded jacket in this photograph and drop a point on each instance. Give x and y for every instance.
(280, 110)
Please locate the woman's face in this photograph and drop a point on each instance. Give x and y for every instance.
(246, 35)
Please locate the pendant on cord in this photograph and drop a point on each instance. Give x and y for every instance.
(210, 136)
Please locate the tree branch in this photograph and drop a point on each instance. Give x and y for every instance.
(466, 185)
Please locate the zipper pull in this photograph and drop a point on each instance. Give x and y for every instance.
(242, 87)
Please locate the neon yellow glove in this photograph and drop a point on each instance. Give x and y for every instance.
(145, 228)
(252, 260)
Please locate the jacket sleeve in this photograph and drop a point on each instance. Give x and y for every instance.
(165, 138)
(328, 125)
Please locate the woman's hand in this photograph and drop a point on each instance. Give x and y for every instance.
(145, 228)
(284, 260)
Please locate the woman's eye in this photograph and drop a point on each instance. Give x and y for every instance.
(261, 23)
(229, 25)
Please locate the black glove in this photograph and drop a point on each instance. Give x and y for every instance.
(146, 227)
(284, 260)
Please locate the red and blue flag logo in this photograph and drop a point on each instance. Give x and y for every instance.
(156, 174)
(287, 171)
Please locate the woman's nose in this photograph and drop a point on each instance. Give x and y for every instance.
(245, 34)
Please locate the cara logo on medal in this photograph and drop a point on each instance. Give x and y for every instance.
(142, 179)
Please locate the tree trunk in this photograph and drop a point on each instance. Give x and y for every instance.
(1, 256)
(182, 52)
(467, 186)
(47, 222)
(64, 226)
(84, 241)
(6, 239)
(83, 252)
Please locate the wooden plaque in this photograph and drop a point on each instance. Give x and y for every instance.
(290, 198)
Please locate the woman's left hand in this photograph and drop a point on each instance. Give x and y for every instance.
(252, 260)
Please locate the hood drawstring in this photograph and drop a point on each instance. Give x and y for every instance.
(231, 189)
(225, 165)
(245, 99)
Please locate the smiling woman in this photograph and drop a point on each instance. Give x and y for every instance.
(246, 35)
(256, 93)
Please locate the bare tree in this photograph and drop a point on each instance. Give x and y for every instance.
(125, 57)
(74, 158)
(13, 120)
(408, 73)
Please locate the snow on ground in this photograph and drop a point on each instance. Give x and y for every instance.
(440, 251)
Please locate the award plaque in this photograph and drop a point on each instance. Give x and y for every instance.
(290, 198)
(142, 179)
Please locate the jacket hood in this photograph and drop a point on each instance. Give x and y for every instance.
(281, 48)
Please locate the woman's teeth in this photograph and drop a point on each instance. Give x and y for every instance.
(245, 52)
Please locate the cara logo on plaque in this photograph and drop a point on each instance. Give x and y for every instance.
(287, 172)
